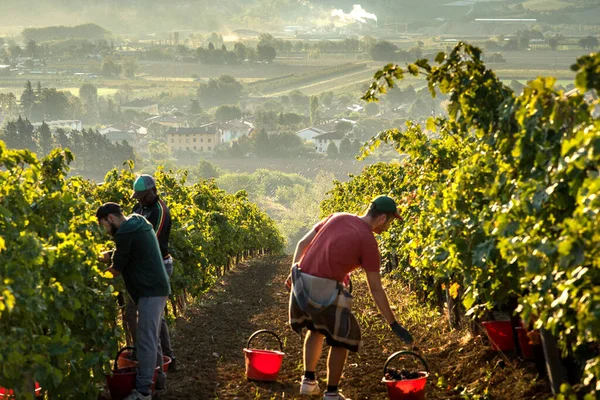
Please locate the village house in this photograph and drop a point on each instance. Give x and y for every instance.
(235, 129)
(203, 138)
(66, 124)
(118, 137)
(135, 135)
(125, 127)
(328, 127)
(322, 141)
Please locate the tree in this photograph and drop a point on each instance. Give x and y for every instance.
(299, 101)
(195, 107)
(28, 99)
(266, 52)
(346, 149)
(266, 38)
(262, 144)
(290, 119)
(228, 112)
(383, 51)
(89, 97)
(332, 150)
(343, 126)
(240, 51)
(367, 43)
(10, 135)
(589, 42)
(110, 68)
(8, 104)
(15, 51)
(224, 90)
(512, 44)
(158, 151)
(31, 48)
(204, 170)
(356, 145)
(25, 134)
(326, 98)
(54, 104)
(314, 110)
(524, 42)
(130, 66)
(45, 139)
(553, 43)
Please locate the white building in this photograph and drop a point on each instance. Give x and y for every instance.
(232, 130)
(322, 141)
(131, 127)
(66, 124)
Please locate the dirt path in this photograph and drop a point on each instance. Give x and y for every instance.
(209, 343)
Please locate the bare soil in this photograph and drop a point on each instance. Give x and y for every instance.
(209, 344)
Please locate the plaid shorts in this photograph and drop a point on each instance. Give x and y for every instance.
(335, 321)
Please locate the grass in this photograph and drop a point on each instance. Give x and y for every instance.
(562, 82)
(102, 91)
(533, 73)
(546, 5)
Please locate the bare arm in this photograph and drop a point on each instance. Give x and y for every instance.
(303, 245)
(378, 293)
(300, 250)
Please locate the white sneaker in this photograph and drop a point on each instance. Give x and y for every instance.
(309, 387)
(135, 395)
(334, 396)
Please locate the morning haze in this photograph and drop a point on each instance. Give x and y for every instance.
(259, 95)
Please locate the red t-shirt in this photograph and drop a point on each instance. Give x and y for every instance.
(343, 243)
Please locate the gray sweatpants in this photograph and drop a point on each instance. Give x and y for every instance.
(130, 319)
(149, 352)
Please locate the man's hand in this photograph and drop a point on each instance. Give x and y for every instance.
(104, 257)
(113, 272)
(401, 332)
(288, 282)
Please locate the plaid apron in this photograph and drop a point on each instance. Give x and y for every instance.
(332, 318)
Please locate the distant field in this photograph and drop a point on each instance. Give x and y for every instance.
(309, 76)
(155, 70)
(562, 82)
(546, 5)
(101, 91)
(532, 74)
(309, 168)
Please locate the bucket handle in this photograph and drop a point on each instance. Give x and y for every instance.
(261, 332)
(404, 353)
(119, 353)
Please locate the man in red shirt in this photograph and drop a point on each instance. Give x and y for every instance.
(319, 302)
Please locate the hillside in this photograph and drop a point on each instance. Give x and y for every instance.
(137, 16)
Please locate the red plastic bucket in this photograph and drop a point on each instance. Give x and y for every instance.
(9, 394)
(125, 361)
(263, 365)
(407, 389)
(500, 334)
(525, 344)
(122, 380)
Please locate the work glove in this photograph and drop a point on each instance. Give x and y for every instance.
(401, 332)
